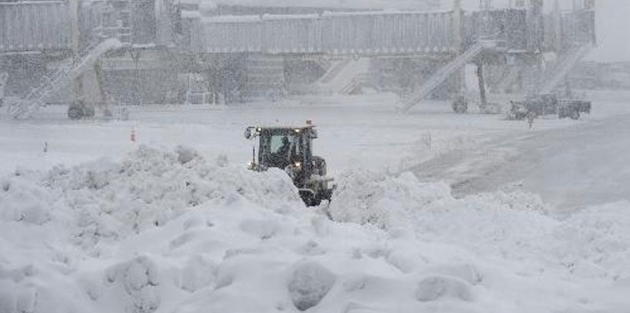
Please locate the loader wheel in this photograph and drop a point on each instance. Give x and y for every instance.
(309, 200)
(315, 201)
(88, 112)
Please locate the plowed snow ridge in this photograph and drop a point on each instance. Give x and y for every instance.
(169, 232)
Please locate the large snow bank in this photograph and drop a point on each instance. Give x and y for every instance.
(512, 224)
(53, 220)
(172, 232)
(110, 201)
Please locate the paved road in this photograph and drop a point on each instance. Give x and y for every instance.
(573, 167)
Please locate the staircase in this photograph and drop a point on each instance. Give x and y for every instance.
(324, 63)
(344, 76)
(509, 79)
(556, 74)
(444, 73)
(356, 82)
(333, 70)
(264, 77)
(67, 72)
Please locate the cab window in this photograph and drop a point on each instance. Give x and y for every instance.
(276, 143)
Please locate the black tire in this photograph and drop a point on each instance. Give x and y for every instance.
(575, 115)
(460, 106)
(319, 166)
(315, 201)
(310, 200)
(88, 111)
(75, 112)
(79, 110)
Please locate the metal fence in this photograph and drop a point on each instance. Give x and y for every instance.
(27, 26)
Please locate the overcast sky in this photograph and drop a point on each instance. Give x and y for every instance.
(613, 30)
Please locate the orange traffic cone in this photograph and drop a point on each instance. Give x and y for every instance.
(133, 135)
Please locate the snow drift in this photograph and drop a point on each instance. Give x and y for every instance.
(169, 232)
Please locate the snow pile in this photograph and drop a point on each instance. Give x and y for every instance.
(135, 283)
(513, 224)
(171, 232)
(363, 197)
(22, 200)
(146, 190)
(309, 284)
(388, 201)
(52, 221)
(436, 287)
(596, 242)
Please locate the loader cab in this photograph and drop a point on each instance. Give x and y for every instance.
(281, 147)
(291, 149)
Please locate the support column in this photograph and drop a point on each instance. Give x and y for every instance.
(460, 76)
(567, 87)
(74, 18)
(457, 25)
(4, 77)
(482, 87)
(557, 27)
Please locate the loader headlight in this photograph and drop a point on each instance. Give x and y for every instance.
(298, 165)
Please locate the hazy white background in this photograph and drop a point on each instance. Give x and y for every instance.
(613, 22)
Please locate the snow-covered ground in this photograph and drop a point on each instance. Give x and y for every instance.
(428, 215)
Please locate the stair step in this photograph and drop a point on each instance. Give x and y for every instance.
(69, 71)
(445, 72)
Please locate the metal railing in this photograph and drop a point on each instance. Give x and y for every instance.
(356, 33)
(555, 75)
(35, 25)
(67, 72)
(445, 73)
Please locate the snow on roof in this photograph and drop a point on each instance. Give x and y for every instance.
(232, 19)
(191, 14)
(258, 18)
(289, 17)
(207, 5)
(287, 127)
(343, 4)
(388, 12)
(195, 2)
